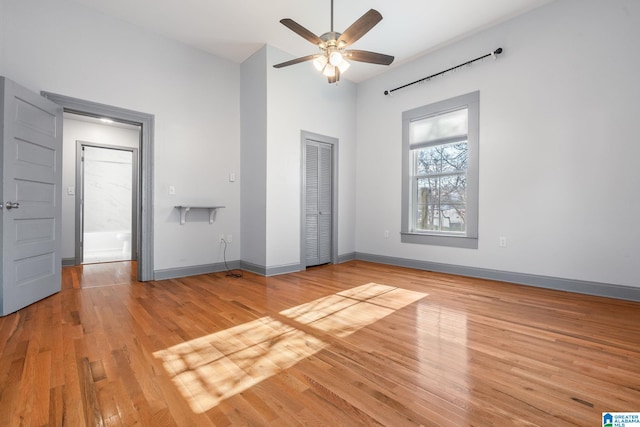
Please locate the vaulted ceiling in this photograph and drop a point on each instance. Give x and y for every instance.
(235, 29)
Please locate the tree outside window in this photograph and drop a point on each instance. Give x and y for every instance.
(441, 187)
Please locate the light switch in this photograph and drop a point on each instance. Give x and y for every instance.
(172, 190)
(232, 177)
(71, 190)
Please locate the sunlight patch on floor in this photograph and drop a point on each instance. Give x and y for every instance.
(348, 311)
(210, 369)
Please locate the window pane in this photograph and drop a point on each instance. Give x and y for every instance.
(444, 220)
(426, 217)
(453, 189)
(441, 204)
(447, 125)
(441, 158)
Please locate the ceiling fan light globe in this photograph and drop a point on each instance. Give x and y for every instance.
(329, 70)
(335, 59)
(320, 62)
(343, 66)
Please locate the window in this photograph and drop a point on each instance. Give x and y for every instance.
(440, 173)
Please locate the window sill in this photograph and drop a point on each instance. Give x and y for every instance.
(440, 240)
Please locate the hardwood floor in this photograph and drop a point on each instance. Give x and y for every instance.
(350, 344)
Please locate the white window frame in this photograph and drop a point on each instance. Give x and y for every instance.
(469, 238)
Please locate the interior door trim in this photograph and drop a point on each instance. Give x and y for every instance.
(310, 136)
(145, 211)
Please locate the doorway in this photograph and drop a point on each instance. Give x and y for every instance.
(106, 203)
(145, 237)
(319, 222)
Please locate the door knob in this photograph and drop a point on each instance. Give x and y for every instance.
(12, 205)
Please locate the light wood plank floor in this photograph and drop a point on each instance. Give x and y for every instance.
(350, 344)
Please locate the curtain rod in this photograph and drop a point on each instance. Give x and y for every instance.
(498, 51)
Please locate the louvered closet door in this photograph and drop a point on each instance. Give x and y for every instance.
(318, 203)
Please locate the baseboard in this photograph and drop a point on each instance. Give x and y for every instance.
(578, 286)
(173, 273)
(284, 269)
(346, 257)
(253, 268)
(68, 262)
(270, 271)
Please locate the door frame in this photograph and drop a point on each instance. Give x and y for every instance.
(333, 142)
(146, 122)
(135, 196)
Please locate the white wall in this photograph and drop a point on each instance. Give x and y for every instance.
(300, 99)
(558, 174)
(2, 33)
(558, 144)
(277, 105)
(253, 107)
(61, 47)
(78, 130)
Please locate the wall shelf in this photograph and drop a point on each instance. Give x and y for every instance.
(184, 209)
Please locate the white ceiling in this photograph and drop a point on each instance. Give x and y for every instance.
(235, 29)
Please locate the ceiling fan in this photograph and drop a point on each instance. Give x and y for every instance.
(332, 58)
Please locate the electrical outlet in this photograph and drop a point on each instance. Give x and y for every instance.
(229, 238)
(502, 242)
(221, 237)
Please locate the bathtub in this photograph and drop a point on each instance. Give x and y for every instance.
(114, 242)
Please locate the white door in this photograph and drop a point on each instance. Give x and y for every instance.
(31, 197)
(318, 204)
(107, 214)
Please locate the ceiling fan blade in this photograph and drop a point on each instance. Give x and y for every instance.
(301, 31)
(360, 27)
(295, 61)
(370, 57)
